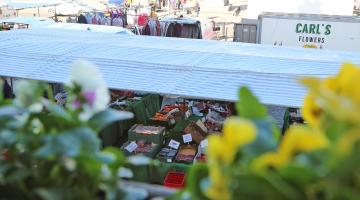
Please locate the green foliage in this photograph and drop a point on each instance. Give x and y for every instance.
(249, 106)
(307, 163)
(49, 153)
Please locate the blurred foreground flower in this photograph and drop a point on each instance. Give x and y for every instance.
(296, 140)
(222, 151)
(334, 98)
(89, 88)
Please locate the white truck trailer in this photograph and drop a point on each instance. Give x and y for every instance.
(309, 31)
(302, 30)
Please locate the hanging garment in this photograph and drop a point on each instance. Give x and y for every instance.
(105, 21)
(143, 19)
(118, 22)
(158, 28)
(147, 30)
(152, 26)
(94, 20)
(89, 17)
(170, 30)
(177, 30)
(163, 27)
(82, 19)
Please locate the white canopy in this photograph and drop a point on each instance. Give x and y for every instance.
(191, 68)
(71, 9)
(34, 22)
(22, 4)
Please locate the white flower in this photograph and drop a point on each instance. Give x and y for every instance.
(28, 95)
(93, 88)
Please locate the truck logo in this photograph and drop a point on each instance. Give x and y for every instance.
(313, 28)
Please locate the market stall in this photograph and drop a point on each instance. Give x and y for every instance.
(196, 70)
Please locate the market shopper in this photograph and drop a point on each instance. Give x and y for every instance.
(7, 91)
(197, 8)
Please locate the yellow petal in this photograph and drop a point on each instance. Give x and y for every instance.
(302, 139)
(215, 148)
(270, 159)
(239, 132)
(346, 142)
(311, 111)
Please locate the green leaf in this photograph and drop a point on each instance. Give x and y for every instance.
(119, 158)
(69, 143)
(249, 106)
(57, 111)
(10, 111)
(54, 193)
(297, 175)
(106, 117)
(7, 137)
(265, 140)
(197, 173)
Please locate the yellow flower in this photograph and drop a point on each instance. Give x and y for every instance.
(270, 159)
(297, 139)
(302, 139)
(237, 132)
(215, 147)
(349, 81)
(311, 111)
(346, 142)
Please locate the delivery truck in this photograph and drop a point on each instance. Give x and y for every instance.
(309, 31)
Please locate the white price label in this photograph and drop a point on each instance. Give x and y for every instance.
(131, 147)
(187, 138)
(174, 144)
(187, 114)
(203, 143)
(191, 103)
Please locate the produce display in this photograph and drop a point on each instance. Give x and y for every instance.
(141, 147)
(214, 114)
(170, 111)
(201, 158)
(147, 130)
(197, 133)
(186, 154)
(144, 147)
(166, 154)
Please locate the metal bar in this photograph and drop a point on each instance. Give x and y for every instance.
(154, 190)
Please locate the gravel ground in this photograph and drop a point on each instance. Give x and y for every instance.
(277, 113)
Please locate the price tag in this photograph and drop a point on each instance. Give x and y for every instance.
(172, 121)
(187, 114)
(191, 103)
(131, 147)
(174, 144)
(187, 138)
(203, 143)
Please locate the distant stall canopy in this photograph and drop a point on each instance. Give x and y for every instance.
(201, 69)
(23, 4)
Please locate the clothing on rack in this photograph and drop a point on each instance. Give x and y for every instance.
(181, 28)
(110, 18)
(82, 19)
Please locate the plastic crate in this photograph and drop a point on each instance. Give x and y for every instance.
(175, 179)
